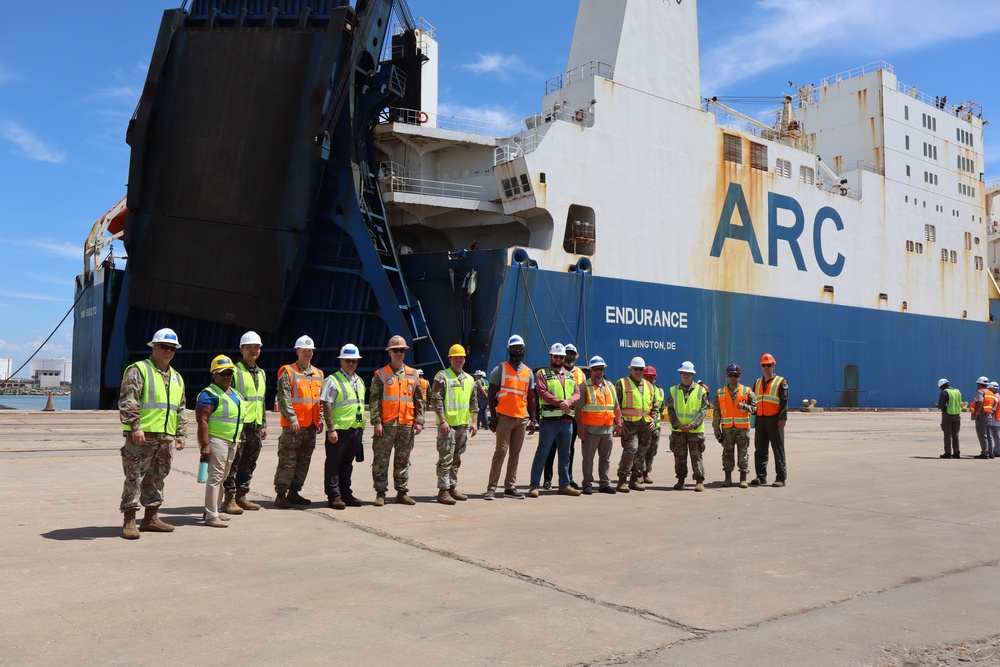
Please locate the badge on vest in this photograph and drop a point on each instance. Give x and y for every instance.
(389, 381)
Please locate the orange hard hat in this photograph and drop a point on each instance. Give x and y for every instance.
(767, 359)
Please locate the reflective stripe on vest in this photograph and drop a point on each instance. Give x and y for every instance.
(397, 394)
(633, 411)
(733, 417)
(457, 395)
(251, 387)
(158, 412)
(954, 401)
(599, 407)
(226, 421)
(687, 408)
(989, 401)
(349, 405)
(305, 395)
(562, 390)
(768, 402)
(512, 398)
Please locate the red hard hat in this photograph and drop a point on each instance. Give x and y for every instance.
(767, 359)
(650, 371)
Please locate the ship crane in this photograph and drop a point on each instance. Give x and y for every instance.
(835, 183)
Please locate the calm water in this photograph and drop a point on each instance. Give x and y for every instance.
(34, 402)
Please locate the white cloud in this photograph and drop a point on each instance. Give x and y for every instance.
(60, 249)
(28, 145)
(32, 297)
(501, 65)
(786, 30)
(128, 94)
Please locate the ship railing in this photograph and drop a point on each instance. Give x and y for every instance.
(857, 71)
(487, 128)
(744, 126)
(862, 165)
(965, 110)
(431, 188)
(993, 184)
(516, 147)
(592, 68)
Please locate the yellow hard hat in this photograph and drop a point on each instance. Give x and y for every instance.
(222, 363)
(456, 350)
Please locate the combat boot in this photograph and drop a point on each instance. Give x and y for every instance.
(743, 480)
(646, 479)
(699, 485)
(457, 495)
(295, 499)
(622, 485)
(281, 501)
(129, 530)
(243, 502)
(229, 505)
(445, 498)
(729, 478)
(635, 483)
(679, 486)
(151, 523)
(379, 498)
(404, 499)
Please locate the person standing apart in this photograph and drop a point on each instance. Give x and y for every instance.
(654, 440)
(982, 414)
(557, 394)
(687, 406)
(483, 398)
(731, 411)
(772, 412)
(512, 415)
(995, 389)
(598, 418)
(151, 409)
(299, 386)
(396, 404)
(249, 381)
(343, 406)
(950, 405)
(452, 398)
(640, 416)
(219, 411)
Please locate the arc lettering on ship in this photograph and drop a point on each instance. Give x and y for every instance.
(736, 202)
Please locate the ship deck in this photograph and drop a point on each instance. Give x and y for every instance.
(876, 547)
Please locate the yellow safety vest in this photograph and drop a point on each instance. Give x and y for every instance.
(348, 412)
(158, 411)
(687, 408)
(457, 394)
(226, 421)
(561, 390)
(253, 394)
(636, 409)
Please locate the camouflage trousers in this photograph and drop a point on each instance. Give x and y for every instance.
(683, 445)
(654, 446)
(295, 452)
(245, 462)
(146, 466)
(735, 442)
(636, 438)
(400, 437)
(450, 449)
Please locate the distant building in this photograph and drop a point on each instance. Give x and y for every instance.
(6, 368)
(51, 372)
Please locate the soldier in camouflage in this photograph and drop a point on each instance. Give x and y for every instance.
(151, 408)
(452, 398)
(299, 387)
(687, 407)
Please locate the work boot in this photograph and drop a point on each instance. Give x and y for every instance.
(757, 481)
(129, 530)
(151, 523)
(229, 505)
(729, 478)
(379, 498)
(743, 480)
(295, 499)
(679, 486)
(646, 479)
(635, 483)
(404, 499)
(456, 494)
(533, 492)
(622, 485)
(568, 491)
(241, 500)
(778, 483)
(700, 485)
(281, 501)
(445, 498)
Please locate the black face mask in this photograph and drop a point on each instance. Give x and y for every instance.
(515, 357)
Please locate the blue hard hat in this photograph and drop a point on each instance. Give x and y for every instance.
(734, 368)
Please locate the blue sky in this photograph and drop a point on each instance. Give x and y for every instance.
(71, 74)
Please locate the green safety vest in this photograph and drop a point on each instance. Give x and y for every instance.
(158, 413)
(687, 408)
(457, 394)
(227, 421)
(562, 391)
(659, 399)
(635, 404)
(954, 401)
(348, 411)
(253, 407)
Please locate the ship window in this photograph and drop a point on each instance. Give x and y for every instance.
(930, 233)
(906, 112)
(954, 257)
(907, 170)
(732, 148)
(909, 246)
(978, 262)
(511, 188)
(758, 156)
(580, 237)
(783, 168)
(525, 184)
(934, 150)
(944, 255)
(968, 240)
(920, 248)
(907, 142)
(806, 175)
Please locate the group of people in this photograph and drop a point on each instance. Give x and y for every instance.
(983, 411)
(559, 401)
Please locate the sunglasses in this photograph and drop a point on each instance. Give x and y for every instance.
(166, 347)
(398, 350)
(733, 375)
(227, 373)
(767, 365)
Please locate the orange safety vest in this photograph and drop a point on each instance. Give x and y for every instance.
(989, 401)
(305, 395)
(768, 402)
(599, 407)
(512, 399)
(397, 394)
(423, 387)
(733, 417)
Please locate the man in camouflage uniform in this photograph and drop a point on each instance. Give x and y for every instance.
(396, 404)
(152, 395)
(453, 399)
(299, 387)
(654, 439)
(687, 406)
(250, 381)
(734, 432)
(640, 417)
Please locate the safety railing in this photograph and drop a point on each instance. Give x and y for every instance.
(744, 126)
(388, 174)
(856, 72)
(592, 68)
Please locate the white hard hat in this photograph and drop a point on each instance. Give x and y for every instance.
(349, 352)
(305, 343)
(480, 373)
(571, 348)
(994, 385)
(420, 371)
(515, 340)
(687, 367)
(250, 338)
(983, 380)
(637, 362)
(597, 361)
(164, 336)
(942, 382)
(558, 349)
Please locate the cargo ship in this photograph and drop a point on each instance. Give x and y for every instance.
(291, 174)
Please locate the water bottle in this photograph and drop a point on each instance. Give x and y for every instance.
(203, 470)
